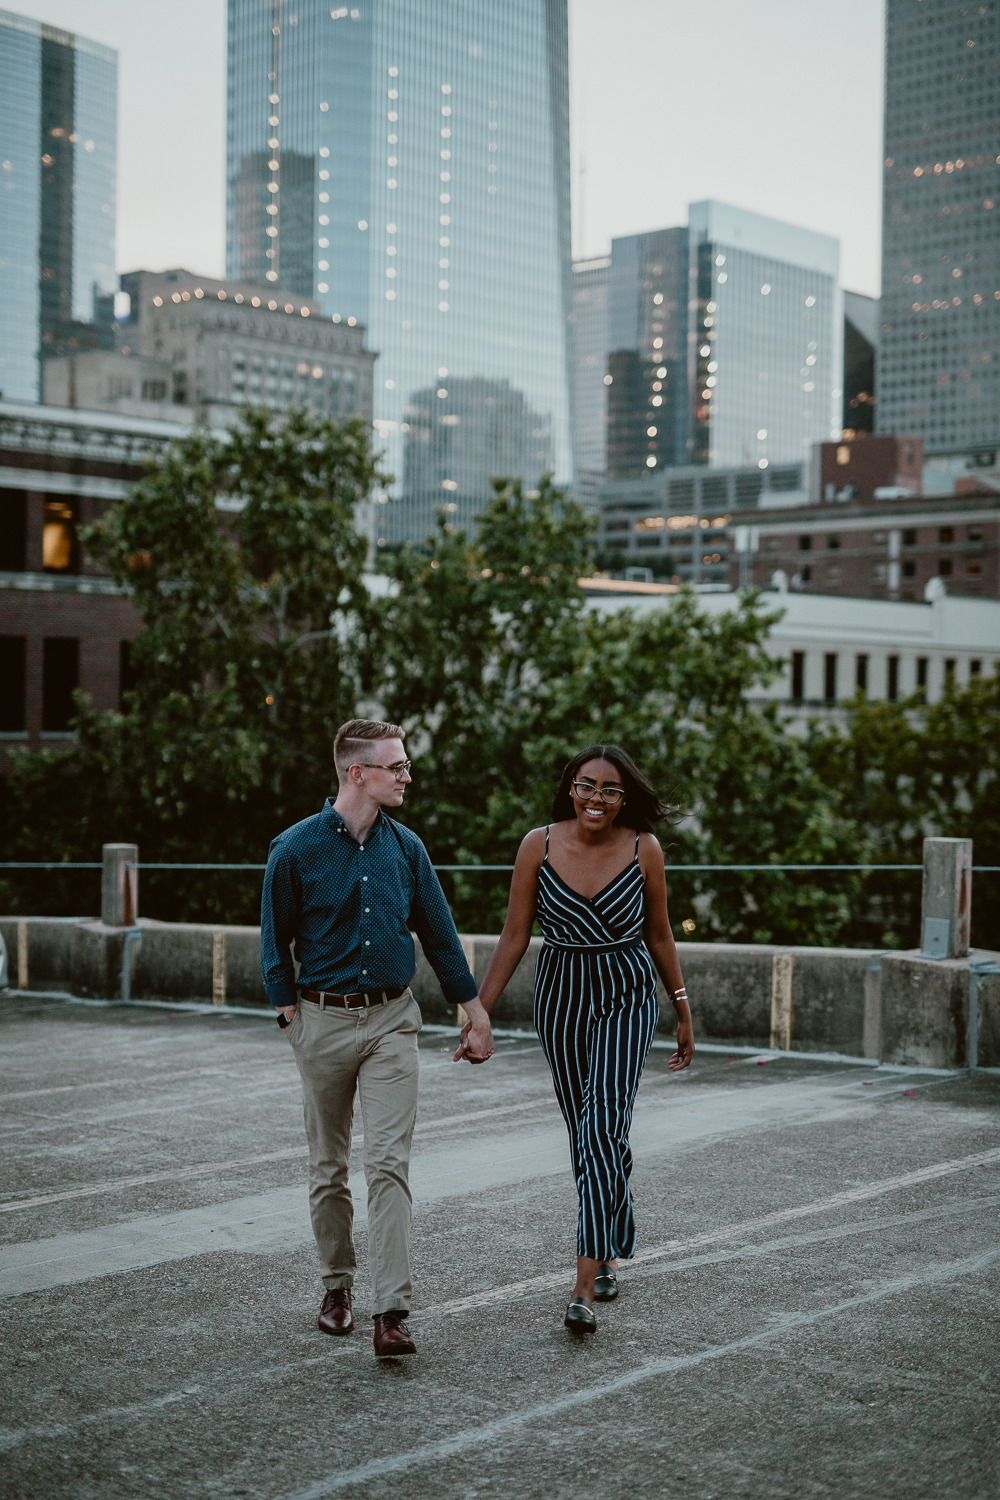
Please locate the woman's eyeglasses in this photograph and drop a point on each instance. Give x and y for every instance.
(612, 794)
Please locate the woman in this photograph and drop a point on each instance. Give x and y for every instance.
(594, 879)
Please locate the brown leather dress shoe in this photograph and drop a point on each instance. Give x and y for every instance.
(391, 1337)
(335, 1315)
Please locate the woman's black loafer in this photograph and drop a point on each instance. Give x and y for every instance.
(580, 1316)
(605, 1284)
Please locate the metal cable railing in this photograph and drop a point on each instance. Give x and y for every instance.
(14, 864)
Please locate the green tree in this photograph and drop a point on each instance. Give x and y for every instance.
(490, 659)
(903, 772)
(242, 557)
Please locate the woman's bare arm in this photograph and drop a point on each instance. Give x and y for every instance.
(513, 941)
(659, 940)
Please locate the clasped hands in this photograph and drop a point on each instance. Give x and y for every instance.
(476, 1044)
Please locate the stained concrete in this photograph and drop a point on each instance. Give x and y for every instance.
(812, 1311)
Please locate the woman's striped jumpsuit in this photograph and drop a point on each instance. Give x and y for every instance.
(595, 1012)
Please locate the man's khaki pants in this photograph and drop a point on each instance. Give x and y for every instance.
(374, 1052)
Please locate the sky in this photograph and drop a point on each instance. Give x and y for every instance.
(775, 107)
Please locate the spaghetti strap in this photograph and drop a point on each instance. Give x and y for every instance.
(636, 855)
(546, 842)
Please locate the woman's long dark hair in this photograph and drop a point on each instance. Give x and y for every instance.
(642, 807)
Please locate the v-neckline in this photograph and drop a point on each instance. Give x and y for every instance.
(579, 894)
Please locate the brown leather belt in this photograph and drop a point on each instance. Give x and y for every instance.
(357, 1000)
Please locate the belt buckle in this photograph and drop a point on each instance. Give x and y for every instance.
(356, 995)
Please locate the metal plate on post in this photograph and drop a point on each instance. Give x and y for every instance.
(937, 937)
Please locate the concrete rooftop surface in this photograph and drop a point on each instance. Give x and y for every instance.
(812, 1312)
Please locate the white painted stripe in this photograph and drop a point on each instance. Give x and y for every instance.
(204, 1169)
(145, 1080)
(473, 1439)
(745, 1226)
(12, 1437)
(278, 1218)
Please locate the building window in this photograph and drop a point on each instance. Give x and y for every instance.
(910, 537)
(60, 680)
(833, 542)
(861, 674)
(59, 549)
(805, 543)
(974, 533)
(892, 685)
(12, 684)
(772, 544)
(922, 664)
(154, 390)
(806, 574)
(13, 530)
(949, 671)
(975, 667)
(798, 675)
(945, 567)
(833, 572)
(830, 676)
(909, 569)
(127, 678)
(946, 535)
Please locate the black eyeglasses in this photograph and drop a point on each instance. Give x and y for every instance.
(401, 768)
(611, 794)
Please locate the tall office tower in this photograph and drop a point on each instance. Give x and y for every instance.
(647, 353)
(408, 167)
(861, 319)
(589, 320)
(938, 362)
(58, 122)
(766, 338)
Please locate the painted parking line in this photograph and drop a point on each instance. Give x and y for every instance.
(263, 1222)
(743, 1227)
(206, 1169)
(472, 1439)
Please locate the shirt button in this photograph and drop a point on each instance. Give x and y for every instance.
(361, 847)
(367, 943)
(367, 908)
(364, 971)
(364, 877)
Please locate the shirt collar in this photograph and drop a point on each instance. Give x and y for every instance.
(336, 821)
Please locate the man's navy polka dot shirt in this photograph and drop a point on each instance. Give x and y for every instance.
(349, 908)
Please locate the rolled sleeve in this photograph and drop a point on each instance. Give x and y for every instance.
(279, 912)
(435, 927)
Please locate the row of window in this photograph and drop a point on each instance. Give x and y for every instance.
(946, 537)
(880, 571)
(834, 687)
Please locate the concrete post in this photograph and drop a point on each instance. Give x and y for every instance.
(120, 885)
(218, 968)
(781, 1001)
(22, 955)
(946, 907)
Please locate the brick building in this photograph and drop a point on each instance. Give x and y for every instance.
(63, 626)
(869, 532)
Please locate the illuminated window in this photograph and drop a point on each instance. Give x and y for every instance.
(59, 549)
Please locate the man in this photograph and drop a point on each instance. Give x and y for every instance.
(345, 886)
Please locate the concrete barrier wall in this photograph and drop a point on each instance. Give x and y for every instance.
(895, 1006)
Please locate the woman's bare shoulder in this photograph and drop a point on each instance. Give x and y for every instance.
(650, 849)
(533, 846)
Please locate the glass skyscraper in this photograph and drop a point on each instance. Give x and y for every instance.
(765, 358)
(58, 144)
(408, 167)
(938, 358)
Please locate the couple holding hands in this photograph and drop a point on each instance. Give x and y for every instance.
(347, 886)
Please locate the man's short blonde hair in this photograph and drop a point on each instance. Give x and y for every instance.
(354, 737)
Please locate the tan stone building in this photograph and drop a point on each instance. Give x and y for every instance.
(194, 349)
